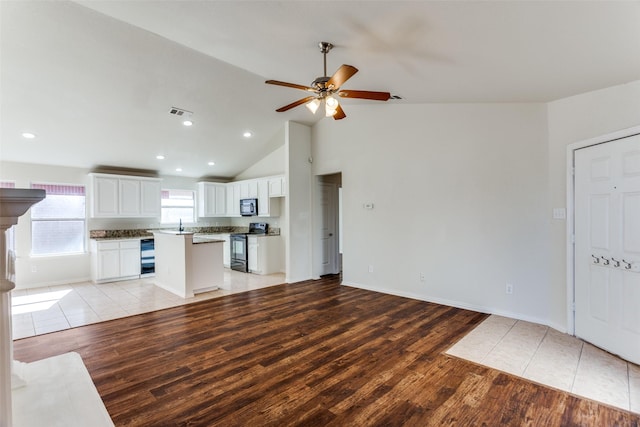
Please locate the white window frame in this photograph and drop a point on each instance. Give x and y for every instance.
(193, 207)
(83, 218)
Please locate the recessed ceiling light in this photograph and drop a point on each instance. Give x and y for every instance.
(187, 123)
(247, 134)
(178, 169)
(211, 163)
(28, 135)
(160, 157)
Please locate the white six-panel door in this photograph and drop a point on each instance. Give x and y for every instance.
(607, 246)
(328, 225)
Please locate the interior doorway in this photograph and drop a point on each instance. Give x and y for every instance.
(329, 224)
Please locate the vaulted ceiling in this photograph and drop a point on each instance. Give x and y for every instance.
(94, 80)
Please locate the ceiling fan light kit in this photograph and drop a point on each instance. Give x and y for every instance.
(324, 88)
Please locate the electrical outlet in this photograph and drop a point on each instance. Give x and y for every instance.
(509, 289)
(371, 269)
(422, 277)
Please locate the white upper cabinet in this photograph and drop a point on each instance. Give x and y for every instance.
(212, 199)
(276, 186)
(249, 189)
(266, 205)
(150, 194)
(104, 192)
(233, 199)
(119, 196)
(130, 197)
(263, 189)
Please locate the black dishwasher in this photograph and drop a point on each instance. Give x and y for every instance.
(147, 258)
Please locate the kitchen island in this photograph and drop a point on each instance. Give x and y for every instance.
(188, 264)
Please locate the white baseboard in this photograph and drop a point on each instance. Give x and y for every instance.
(53, 283)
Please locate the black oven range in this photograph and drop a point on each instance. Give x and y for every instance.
(239, 252)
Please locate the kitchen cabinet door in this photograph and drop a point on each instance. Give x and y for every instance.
(220, 208)
(108, 264)
(104, 196)
(130, 258)
(129, 197)
(263, 198)
(252, 254)
(233, 199)
(150, 198)
(276, 186)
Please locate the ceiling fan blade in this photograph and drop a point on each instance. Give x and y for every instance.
(339, 115)
(344, 73)
(291, 85)
(295, 104)
(365, 94)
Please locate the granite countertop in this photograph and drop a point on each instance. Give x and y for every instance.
(174, 232)
(197, 240)
(148, 234)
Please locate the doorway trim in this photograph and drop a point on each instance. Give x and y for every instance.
(570, 229)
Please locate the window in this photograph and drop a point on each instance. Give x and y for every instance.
(58, 221)
(177, 205)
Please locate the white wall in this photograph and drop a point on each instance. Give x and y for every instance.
(571, 120)
(460, 194)
(271, 164)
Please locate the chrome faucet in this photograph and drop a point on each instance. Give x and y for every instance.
(180, 227)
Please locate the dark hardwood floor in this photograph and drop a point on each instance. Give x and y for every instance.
(310, 353)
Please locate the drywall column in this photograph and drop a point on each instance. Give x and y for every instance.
(6, 347)
(13, 204)
(298, 202)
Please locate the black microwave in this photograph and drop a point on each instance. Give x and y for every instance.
(248, 207)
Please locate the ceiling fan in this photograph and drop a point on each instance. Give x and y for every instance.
(324, 88)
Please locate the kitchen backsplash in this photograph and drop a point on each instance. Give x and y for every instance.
(146, 232)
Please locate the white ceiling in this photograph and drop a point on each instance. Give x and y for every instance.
(94, 80)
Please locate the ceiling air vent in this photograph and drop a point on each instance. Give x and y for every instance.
(396, 97)
(179, 112)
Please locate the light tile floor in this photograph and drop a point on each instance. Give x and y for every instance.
(54, 308)
(546, 356)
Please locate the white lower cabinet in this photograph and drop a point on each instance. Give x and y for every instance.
(265, 254)
(115, 260)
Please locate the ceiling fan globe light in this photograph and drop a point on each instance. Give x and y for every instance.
(313, 105)
(330, 106)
